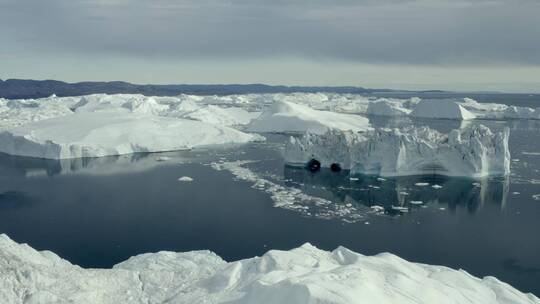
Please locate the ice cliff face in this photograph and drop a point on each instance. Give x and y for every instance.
(474, 151)
(302, 275)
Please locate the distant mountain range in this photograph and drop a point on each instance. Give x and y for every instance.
(21, 88)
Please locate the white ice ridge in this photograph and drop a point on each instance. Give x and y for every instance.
(95, 134)
(474, 151)
(302, 275)
(285, 117)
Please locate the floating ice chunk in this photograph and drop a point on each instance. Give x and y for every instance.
(400, 209)
(473, 151)
(288, 117)
(441, 108)
(421, 184)
(377, 208)
(536, 197)
(185, 179)
(163, 158)
(416, 202)
(436, 187)
(530, 153)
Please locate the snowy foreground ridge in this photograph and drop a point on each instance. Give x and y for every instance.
(474, 151)
(302, 275)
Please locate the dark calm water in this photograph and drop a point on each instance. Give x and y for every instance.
(98, 212)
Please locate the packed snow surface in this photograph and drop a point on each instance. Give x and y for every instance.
(94, 134)
(302, 275)
(474, 151)
(284, 117)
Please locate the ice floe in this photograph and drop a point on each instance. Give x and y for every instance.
(474, 151)
(302, 275)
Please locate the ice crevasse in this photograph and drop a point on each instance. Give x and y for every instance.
(474, 151)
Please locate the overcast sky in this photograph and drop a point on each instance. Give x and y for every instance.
(459, 45)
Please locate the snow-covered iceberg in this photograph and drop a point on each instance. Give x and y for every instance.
(474, 151)
(499, 111)
(387, 108)
(94, 134)
(288, 117)
(302, 275)
(441, 108)
(184, 107)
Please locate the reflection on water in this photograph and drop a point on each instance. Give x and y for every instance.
(36, 167)
(412, 192)
(109, 165)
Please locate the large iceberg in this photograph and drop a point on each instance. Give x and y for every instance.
(473, 151)
(288, 117)
(443, 108)
(499, 111)
(387, 108)
(302, 275)
(94, 134)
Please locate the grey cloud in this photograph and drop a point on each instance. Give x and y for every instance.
(401, 31)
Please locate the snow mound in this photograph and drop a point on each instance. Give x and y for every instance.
(474, 151)
(441, 108)
(302, 275)
(387, 108)
(94, 134)
(288, 117)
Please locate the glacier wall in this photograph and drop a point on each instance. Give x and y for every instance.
(474, 151)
